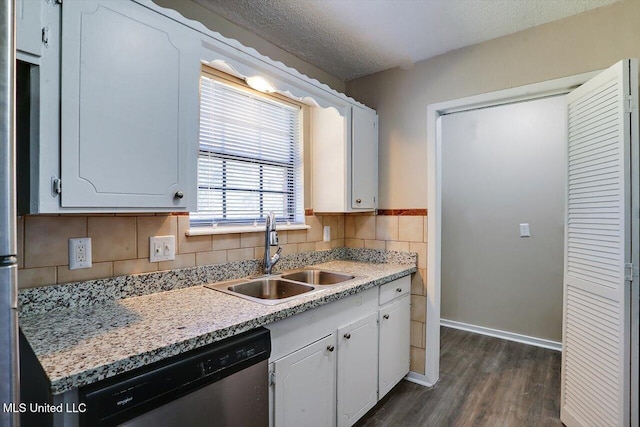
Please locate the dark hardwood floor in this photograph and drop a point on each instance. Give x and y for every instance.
(484, 381)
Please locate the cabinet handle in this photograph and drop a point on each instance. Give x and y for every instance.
(386, 316)
(398, 289)
(358, 200)
(330, 348)
(347, 336)
(179, 195)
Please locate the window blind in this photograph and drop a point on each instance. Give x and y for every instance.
(250, 157)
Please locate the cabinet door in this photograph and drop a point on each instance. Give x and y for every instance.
(357, 368)
(328, 136)
(394, 344)
(364, 160)
(129, 112)
(28, 26)
(305, 386)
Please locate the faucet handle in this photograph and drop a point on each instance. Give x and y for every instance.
(273, 238)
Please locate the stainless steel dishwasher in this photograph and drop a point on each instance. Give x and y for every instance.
(222, 384)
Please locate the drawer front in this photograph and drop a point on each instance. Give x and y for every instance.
(395, 289)
(292, 333)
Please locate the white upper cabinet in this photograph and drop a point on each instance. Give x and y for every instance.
(345, 159)
(364, 160)
(115, 110)
(329, 153)
(129, 108)
(30, 34)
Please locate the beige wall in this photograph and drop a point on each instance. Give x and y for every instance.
(192, 10)
(404, 234)
(586, 42)
(120, 245)
(501, 167)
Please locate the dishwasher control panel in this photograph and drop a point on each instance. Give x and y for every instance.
(232, 357)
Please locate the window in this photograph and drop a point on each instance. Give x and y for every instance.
(250, 156)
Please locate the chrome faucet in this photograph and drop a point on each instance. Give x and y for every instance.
(270, 239)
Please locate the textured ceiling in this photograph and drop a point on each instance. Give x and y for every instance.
(354, 38)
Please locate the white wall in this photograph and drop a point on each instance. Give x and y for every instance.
(503, 166)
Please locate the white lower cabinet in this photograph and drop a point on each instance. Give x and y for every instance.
(330, 365)
(305, 386)
(357, 367)
(394, 344)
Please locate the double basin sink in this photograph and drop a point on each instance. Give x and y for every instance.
(281, 288)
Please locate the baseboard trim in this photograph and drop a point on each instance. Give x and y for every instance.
(420, 379)
(511, 336)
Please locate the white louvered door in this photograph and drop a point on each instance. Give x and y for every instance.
(602, 134)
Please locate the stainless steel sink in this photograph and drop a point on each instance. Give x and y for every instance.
(265, 291)
(270, 289)
(317, 277)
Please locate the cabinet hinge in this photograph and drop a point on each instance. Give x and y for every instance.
(46, 32)
(272, 378)
(630, 104)
(630, 272)
(56, 186)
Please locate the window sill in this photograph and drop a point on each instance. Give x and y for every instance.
(205, 231)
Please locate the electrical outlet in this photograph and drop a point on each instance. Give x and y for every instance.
(162, 248)
(326, 233)
(79, 253)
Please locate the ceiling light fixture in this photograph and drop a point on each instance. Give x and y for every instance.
(260, 84)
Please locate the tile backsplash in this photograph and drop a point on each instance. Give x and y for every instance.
(403, 233)
(120, 245)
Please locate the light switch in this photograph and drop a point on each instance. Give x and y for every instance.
(524, 230)
(162, 248)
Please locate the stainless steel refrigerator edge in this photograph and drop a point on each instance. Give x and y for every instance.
(9, 380)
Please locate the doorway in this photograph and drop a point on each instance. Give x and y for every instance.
(602, 197)
(434, 193)
(503, 205)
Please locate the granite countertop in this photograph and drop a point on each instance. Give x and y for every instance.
(81, 345)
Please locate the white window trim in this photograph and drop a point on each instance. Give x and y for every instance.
(216, 74)
(232, 229)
